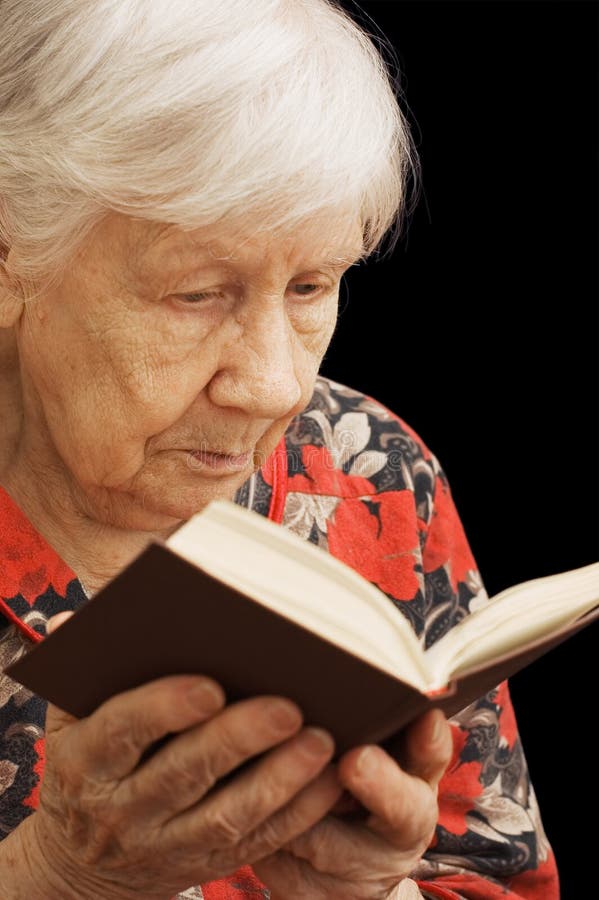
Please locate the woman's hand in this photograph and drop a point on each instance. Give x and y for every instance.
(108, 827)
(114, 824)
(366, 860)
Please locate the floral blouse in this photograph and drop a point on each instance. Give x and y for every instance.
(353, 478)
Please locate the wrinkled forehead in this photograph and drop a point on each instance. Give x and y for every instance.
(333, 238)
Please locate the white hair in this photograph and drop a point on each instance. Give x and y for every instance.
(190, 112)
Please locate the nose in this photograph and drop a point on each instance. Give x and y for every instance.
(258, 370)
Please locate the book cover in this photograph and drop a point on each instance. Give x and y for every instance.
(162, 615)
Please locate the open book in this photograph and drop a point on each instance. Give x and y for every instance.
(234, 596)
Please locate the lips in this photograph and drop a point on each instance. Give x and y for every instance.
(213, 459)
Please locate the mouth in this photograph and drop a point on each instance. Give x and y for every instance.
(220, 462)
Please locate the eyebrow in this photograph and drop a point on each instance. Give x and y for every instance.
(201, 258)
(338, 261)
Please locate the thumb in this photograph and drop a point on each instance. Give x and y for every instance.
(428, 747)
(57, 719)
(57, 620)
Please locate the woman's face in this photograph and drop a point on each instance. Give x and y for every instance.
(165, 367)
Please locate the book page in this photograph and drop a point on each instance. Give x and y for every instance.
(303, 583)
(512, 618)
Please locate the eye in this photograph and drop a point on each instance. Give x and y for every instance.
(199, 297)
(304, 290)
(309, 289)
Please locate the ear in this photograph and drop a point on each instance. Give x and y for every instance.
(11, 297)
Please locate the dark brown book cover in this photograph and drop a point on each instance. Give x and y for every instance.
(163, 616)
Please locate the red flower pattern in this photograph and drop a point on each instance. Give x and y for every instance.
(34, 797)
(28, 564)
(446, 542)
(323, 478)
(460, 785)
(381, 545)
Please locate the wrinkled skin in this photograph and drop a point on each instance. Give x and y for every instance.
(156, 344)
(111, 828)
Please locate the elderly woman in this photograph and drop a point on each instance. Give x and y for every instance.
(182, 186)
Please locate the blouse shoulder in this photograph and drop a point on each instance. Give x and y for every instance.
(347, 441)
(364, 486)
(336, 401)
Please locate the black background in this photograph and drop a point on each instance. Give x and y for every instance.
(481, 331)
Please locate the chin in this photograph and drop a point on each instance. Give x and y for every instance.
(162, 499)
(162, 511)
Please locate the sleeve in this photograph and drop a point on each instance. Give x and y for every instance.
(489, 841)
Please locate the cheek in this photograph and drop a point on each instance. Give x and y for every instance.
(314, 338)
(315, 328)
(99, 409)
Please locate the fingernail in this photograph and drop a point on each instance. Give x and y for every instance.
(316, 742)
(206, 697)
(367, 762)
(283, 715)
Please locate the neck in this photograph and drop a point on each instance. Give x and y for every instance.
(95, 551)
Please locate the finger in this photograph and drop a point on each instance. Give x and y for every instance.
(56, 621)
(231, 812)
(428, 747)
(344, 855)
(424, 748)
(113, 739)
(402, 807)
(186, 768)
(56, 720)
(307, 808)
(295, 822)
